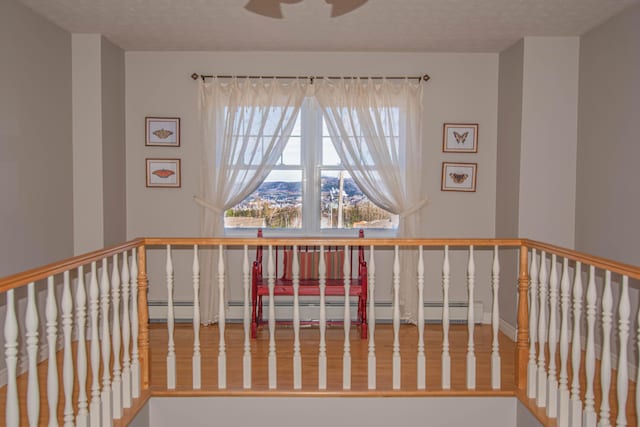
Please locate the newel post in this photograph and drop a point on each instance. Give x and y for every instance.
(143, 319)
(523, 320)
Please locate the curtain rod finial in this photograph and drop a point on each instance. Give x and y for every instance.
(426, 78)
(194, 76)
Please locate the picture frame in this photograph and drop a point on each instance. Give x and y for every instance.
(162, 131)
(460, 138)
(163, 173)
(459, 176)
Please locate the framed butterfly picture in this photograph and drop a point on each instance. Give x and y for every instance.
(162, 131)
(459, 176)
(460, 138)
(163, 173)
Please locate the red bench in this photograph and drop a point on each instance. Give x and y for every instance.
(308, 259)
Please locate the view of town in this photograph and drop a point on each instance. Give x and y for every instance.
(278, 204)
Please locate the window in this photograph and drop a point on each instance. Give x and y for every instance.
(309, 189)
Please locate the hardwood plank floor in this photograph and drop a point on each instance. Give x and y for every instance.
(309, 338)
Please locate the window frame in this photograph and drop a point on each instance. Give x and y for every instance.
(311, 155)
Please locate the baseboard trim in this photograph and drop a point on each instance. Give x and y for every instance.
(183, 311)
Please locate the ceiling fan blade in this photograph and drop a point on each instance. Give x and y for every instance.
(268, 8)
(341, 7)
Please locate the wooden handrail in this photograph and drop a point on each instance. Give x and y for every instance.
(317, 241)
(598, 262)
(39, 273)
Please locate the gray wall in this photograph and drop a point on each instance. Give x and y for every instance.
(113, 144)
(608, 194)
(510, 75)
(509, 140)
(36, 182)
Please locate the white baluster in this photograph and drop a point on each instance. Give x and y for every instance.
(82, 419)
(322, 348)
(563, 390)
(126, 332)
(273, 368)
(196, 364)
(94, 306)
(471, 356)
(576, 351)
(637, 369)
(51, 313)
(346, 357)
(222, 348)
(589, 416)
(67, 361)
(171, 349)
(371, 287)
(495, 321)
(396, 320)
(622, 383)
(246, 357)
(446, 357)
(33, 389)
(421, 362)
(135, 355)
(541, 387)
(605, 361)
(533, 318)
(106, 347)
(552, 381)
(116, 384)
(12, 412)
(297, 358)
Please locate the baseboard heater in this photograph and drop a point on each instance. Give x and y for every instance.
(309, 311)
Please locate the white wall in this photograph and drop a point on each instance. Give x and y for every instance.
(333, 411)
(98, 143)
(87, 144)
(463, 88)
(36, 211)
(113, 144)
(536, 161)
(549, 138)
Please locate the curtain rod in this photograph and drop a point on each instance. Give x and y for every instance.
(195, 76)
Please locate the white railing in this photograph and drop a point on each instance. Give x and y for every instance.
(101, 317)
(110, 368)
(561, 396)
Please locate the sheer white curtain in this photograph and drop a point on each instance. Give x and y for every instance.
(375, 128)
(246, 125)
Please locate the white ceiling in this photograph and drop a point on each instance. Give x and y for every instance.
(379, 25)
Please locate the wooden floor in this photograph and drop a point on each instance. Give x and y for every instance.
(309, 338)
(309, 346)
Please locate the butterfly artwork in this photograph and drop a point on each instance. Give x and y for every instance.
(163, 173)
(163, 133)
(458, 178)
(460, 138)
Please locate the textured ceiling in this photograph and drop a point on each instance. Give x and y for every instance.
(379, 25)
